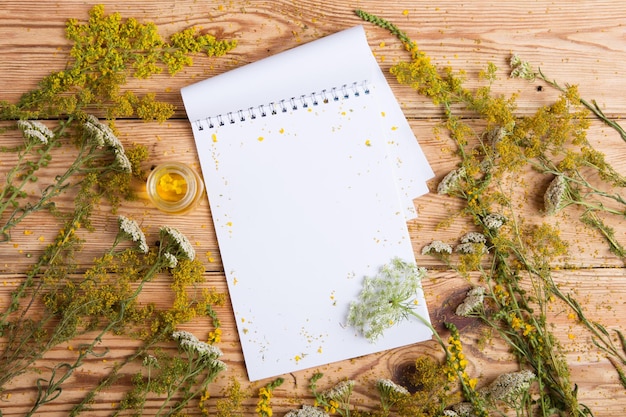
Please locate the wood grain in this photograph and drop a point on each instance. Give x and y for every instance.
(581, 42)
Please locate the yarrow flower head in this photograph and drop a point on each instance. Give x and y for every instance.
(387, 298)
(307, 411)
(177, 243)
(463, 409)
(35, 130)
(555, 196)
(472, 243)
(450, 182)
(494, 221)
(151, 361)
(103, 136)
(183, 335)
(171, 260)
(473, 237)
(340, 393)
(521, 69)
(509, 387)
(473, 301)
(437, 246)
(390, 392)
(131, 230)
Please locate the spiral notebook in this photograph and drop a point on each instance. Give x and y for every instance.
(311, 170)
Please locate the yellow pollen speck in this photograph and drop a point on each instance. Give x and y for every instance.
(368, 143)
(28, 232)
(214, 137)
(297, 358)
(243, 319)
(260, 139)
(15, 245)
(319, 349)
(382, 113)
(571, 336)
(245, 331)
(281, 130)
(382, 44)
(394, 127)
(405, 12)
(41, 238)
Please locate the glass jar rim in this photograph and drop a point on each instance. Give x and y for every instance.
(195, 186)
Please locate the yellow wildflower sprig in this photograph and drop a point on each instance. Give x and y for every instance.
(98, 152)
(106, 49)
(523, 69)
(264, 406)
(335, 399)
(520, 254)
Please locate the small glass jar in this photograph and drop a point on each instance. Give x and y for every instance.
(174, 188)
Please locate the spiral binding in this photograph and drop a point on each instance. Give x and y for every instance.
(346, 91)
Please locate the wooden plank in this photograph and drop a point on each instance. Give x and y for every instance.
(602, 291)
(577, 45)
(173, 141)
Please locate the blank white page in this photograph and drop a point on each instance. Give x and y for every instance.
(305, 203)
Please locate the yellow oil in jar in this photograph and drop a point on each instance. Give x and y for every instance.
(174, 187)
(171, 186)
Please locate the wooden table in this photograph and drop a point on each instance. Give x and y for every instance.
(582, 42)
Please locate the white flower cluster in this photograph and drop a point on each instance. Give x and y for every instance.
(521, 69)
(494, 221)
(473, 300)
(187, 341)
(340, 392)
(150, 360)
(35, 130)
(464, 409)
(451, 181)
(436, 246)
(171, 260)
(471, 242)
(104, 136)
(182, 245)
(388, 388)
(509, 387)
(386, 298)
(553, 199)
(307, 411)
(131, 229)
(474, 237)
